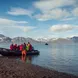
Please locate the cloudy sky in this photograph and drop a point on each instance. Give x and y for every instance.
(39, 18)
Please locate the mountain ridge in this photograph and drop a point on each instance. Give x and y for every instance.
(51, 40)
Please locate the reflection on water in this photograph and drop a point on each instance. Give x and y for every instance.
(23, 58)
(27, 59)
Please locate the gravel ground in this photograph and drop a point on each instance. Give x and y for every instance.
(11, 68)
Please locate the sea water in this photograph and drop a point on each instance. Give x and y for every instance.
(60, 57)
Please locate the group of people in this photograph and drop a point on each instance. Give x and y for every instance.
(23, 47)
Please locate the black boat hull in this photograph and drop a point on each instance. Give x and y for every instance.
(8, 52)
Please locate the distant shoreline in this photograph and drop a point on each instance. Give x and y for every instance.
(11, 68)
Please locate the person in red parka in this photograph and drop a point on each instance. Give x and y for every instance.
(15, 47)
(30, 47)
(11, 47)
(21, 47)
(18, 48)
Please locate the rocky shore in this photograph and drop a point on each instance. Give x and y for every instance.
(11, 68)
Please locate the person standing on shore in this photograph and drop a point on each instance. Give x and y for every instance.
(24, 54)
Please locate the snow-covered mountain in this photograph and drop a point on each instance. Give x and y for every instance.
(58, 40)
(5, 39)
(61, 40)
(42, 39)
(22, 40)
(75, 39)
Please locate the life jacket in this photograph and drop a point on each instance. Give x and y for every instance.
(27, 47)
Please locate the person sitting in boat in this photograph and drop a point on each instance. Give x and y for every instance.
(15, 47)
(11, 47)
(21, 47)
(29, 46)
(24, 45)
(18, 48)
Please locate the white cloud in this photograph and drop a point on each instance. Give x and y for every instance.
(53, 14)
(17, 28)
(19, 22)
(62, 28)
(50, 4)
(72, 35)
(11, 24)
(68, 19)
(14, 31)
(75, 11)
(52, 9)
(42, 17)
(4, 21)
(25, 28)
(19, 11)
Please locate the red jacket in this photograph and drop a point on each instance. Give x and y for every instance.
(30, 47)
(21, 47)
(11, 47)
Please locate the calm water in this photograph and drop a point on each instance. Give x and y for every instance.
(60, 57)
